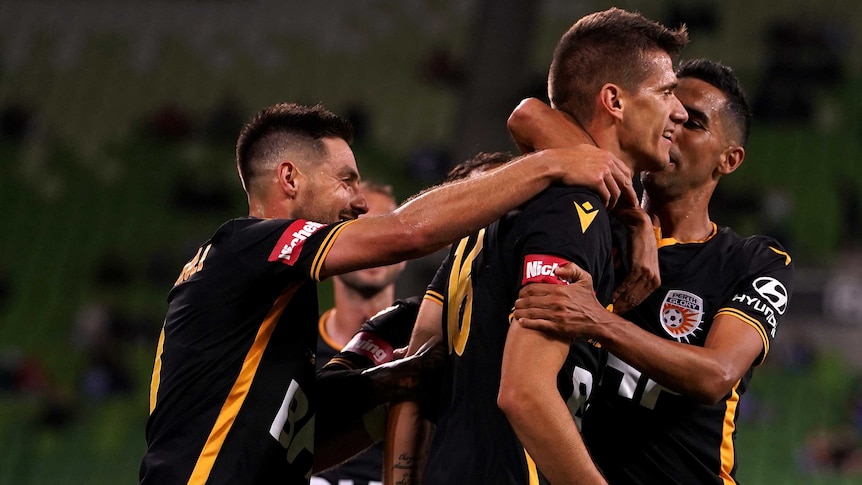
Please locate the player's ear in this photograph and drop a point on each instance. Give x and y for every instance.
(610, 100)
(731, 159)
(287, 173)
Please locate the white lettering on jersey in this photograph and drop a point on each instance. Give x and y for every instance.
(290, 427)
(583, 387)
(301, 235)
(629, 383)
(760, 307)
(539, 268)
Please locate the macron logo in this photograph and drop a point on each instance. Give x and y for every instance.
(290, 244)
(539, 268)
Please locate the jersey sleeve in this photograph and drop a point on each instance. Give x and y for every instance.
(299, 244)
(763, 295)
(570, 226)
(437, 288)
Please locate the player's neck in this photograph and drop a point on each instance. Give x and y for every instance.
(606, 138)
(684, 219)
(267, 206)
(352, 309)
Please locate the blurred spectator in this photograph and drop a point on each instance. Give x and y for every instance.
(99, 334)
(832, 452)
(842, 294)
(21, 373)
(837, 451)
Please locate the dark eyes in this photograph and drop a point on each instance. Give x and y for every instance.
(693, 125)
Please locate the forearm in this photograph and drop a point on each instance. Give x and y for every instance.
(534, 125)
(687, 369)
(532, 402)
(477, 201)
(428, 325)
(407, 438)
(443, 214)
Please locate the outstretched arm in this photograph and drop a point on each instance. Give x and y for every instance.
(445, 213)
(706, 373)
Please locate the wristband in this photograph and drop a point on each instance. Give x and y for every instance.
(369, 345)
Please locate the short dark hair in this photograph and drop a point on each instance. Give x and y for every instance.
(479, 162)
(737, 110)
(281, 127)
(603, 47)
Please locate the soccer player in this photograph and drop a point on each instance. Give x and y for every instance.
(666, 408)
(358, 296)
(613, 71)
(232, 398)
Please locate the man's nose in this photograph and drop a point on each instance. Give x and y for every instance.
(359, 204)
(678, 114)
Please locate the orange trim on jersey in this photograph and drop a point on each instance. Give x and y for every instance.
(239, 391)
(157, 370)
(670, 241)
(323, 250)
(733, 312)
(340, 361)
(532, 471)
(727, 456)
(432, 295)
(321, 327)
(783, 253)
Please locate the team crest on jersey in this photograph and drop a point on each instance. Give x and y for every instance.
(681, 314)
(291, 241)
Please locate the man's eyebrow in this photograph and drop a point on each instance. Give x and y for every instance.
(669, 86)
(697, 114)
(349, 173)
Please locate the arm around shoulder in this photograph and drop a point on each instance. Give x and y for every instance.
(445, 213)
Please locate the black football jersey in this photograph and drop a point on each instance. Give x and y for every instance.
(641, 433)
(232, 394)
(473, 441)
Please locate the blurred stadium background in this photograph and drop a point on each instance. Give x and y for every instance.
(117, 124)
